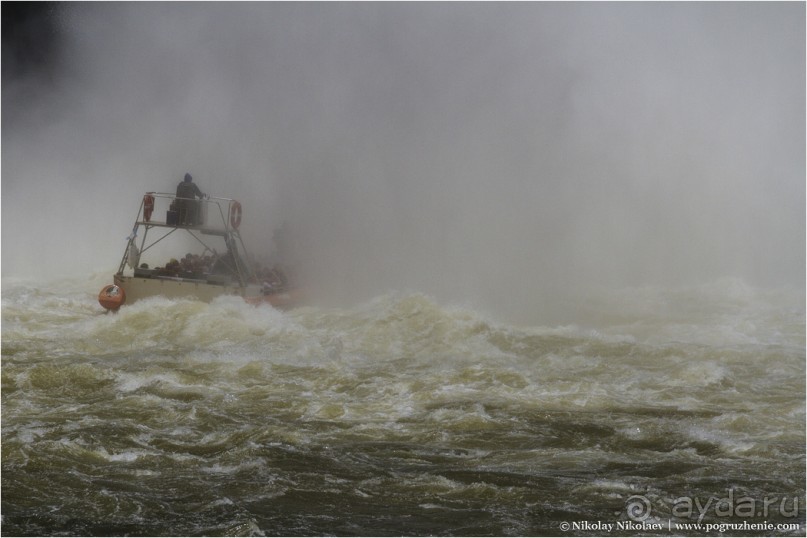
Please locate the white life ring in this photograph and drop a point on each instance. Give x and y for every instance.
(235, 215)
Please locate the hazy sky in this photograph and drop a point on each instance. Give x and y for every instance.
(504, 154)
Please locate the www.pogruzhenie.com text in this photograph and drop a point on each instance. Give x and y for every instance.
(687, 514)
(676, 527)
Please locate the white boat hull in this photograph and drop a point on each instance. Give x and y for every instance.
(137, 288)
(140, 288)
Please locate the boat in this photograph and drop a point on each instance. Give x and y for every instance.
(210, 225)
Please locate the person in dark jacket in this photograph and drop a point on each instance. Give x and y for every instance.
(187, 191)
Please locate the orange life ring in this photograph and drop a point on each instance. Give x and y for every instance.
(112, 297)
(235, 215)
(148, 207)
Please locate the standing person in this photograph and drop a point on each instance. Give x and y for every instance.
(187, 191)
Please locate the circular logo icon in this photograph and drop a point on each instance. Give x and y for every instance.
(638, 507)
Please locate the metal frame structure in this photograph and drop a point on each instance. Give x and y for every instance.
(225, 226)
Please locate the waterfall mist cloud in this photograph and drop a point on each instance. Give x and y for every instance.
(507, 155)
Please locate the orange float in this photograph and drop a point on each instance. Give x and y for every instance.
(112, 297)
(148, 206)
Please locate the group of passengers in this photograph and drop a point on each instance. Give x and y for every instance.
(191, 266)
(272, 279)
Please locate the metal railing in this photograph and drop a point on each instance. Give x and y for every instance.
(170, 210)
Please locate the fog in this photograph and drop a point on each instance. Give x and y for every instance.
(506, 156)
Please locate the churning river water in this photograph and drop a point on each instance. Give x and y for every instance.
(678, 409)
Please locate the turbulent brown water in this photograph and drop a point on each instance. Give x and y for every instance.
(403, 416)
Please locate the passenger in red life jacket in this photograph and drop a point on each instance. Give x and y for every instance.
(187, 191)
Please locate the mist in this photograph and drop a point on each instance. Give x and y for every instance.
(508, 156)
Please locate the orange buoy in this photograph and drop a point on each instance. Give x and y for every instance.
(112, 297)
